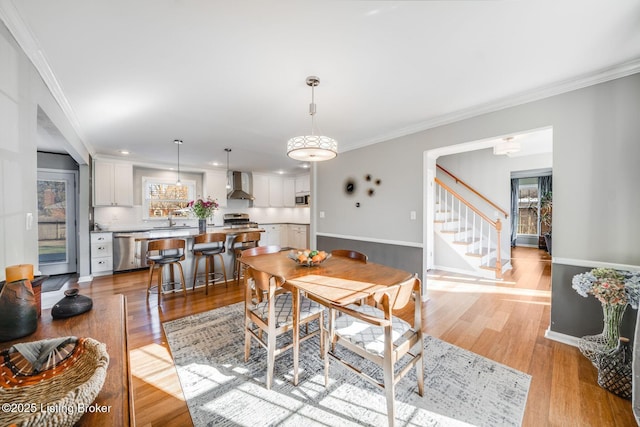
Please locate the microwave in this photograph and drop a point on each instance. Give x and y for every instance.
(302, 200)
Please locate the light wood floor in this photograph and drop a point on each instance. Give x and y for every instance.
(501, 321)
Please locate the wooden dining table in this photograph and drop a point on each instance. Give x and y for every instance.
(338, 280)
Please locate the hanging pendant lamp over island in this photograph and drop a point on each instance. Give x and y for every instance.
(178, 142)
(312, 148)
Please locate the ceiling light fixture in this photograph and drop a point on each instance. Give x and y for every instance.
(312, 148)
(178, 142)
(228, 150)
(506, 146)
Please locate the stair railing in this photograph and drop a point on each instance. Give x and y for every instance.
(482, 226)
(473, 190)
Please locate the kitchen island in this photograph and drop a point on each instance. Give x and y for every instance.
(141, 239)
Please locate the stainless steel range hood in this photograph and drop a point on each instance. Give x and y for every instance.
(237, 192)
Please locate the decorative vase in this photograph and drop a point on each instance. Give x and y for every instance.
(19, 311)
(591, 346)
(71, 305)
(202, 225)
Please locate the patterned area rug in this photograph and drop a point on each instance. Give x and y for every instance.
(461, 388)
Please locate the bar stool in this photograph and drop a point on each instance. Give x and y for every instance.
(166, 252)
(208, 246)
(242, 242)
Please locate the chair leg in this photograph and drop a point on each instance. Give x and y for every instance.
(326, 357)
(195, 271)
(271, 357)
(224, 270)
(206, 274)
(389, 385)
(184, 284)
(160, 274)
(420, 368)
(150, 278)
(247, 338)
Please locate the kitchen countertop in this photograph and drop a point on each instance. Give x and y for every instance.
(190, 232)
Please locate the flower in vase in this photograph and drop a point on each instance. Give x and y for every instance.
(203, 208)
(609, 286)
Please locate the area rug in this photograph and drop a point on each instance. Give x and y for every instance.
(54, 283)
(461, 388)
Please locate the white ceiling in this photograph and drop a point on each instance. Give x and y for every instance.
(138, 74)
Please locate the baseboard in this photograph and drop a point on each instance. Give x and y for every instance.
(565, 339)
(84, 279)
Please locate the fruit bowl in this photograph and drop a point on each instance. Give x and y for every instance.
(309, 258)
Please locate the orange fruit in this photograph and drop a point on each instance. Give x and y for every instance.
(316, 258)
(302, 258)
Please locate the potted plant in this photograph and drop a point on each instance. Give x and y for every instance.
(546, 208)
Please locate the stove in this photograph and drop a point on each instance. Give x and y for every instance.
(238, 220)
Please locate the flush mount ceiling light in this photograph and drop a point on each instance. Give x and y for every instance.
(178, 142)
(506, 146)
(312, 148)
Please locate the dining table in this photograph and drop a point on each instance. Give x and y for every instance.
(338, 280)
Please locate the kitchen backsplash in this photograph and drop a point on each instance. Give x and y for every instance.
(121, 218)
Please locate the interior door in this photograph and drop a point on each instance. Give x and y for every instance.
(57, 221)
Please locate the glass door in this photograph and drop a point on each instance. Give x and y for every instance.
(56, 221)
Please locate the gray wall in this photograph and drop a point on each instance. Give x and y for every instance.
(595, 170)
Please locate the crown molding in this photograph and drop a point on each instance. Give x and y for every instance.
(568, 85)
(28, 42)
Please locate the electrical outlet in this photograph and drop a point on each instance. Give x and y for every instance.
(321, 214)
(412, 215)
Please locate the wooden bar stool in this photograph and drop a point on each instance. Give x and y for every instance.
(166, 252)
(242, 242)
(208, 246)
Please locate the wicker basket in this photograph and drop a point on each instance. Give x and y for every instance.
(51, 382)
(615, 370)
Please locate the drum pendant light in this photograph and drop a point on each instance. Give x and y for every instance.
(312, 148)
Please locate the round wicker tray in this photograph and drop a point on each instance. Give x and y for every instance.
(51, 382)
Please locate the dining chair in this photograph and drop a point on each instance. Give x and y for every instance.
(242, 242)
(376, 335)
(350, 254)
(209, 245)
(259, 250)
(165, 252)
(274, 315)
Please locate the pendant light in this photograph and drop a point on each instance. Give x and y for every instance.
(312, 148)
(228, 150)
(178, 142)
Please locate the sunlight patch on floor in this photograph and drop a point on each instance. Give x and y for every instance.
(457, 287)
(153, 364)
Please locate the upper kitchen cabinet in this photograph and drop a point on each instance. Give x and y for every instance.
(289, 190)
(261, 190)
(112, 183)
(276, 194)
(215, 186)
(303, 184)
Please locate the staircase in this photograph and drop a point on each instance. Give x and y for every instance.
(471, 234)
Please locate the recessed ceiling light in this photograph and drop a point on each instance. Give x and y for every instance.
(125, 152)
(305, 165)
(216, 164)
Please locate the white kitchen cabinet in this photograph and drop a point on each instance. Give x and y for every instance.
(272, 235)
(112, 183)
(101, 253)
(215, 186)
(260, 190)
(276, 194)
(303, 184)
(289, 192)
(268, 191)
(298, 236)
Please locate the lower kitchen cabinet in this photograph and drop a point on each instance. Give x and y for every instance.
(298, 236)
(101, 254)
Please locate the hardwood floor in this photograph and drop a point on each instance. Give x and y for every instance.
(504, 321)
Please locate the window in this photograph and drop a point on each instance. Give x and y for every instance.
(528, 203)
(163, 197)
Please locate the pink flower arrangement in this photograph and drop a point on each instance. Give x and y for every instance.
(203, 208)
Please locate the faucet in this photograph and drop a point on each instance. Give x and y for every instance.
(171, 221)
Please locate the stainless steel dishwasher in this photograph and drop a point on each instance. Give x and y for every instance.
(129, 254)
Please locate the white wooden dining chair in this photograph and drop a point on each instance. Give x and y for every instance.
(375, 334)
(272, 313)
